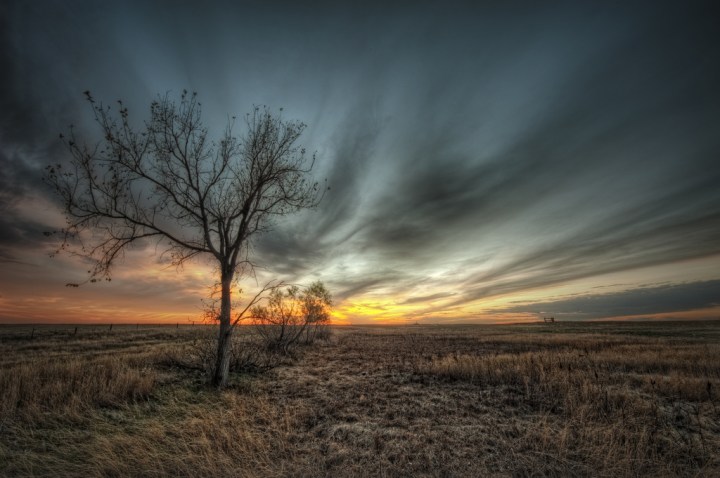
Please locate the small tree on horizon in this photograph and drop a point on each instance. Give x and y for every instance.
(293, 316)
(169, 182)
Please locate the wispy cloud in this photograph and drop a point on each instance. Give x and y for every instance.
(472, 152)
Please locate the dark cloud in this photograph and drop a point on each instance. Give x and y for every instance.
(494, 148)
(621, 243)
(350, 287)
(20, 228)
(612, 151)
(428, 298)
(643, 301)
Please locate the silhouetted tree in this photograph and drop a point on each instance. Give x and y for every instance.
(168, 181)
(293, 316)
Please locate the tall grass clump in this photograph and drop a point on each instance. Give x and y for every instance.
(30, 389)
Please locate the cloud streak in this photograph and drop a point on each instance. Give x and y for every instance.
(473, 152)
(638, 302)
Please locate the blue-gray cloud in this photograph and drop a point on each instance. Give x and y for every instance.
(504, 147)
(643, 301)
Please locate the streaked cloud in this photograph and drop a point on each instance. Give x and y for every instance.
(640, 302)
(476, 154)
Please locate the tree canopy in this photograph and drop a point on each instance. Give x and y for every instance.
(171, 182)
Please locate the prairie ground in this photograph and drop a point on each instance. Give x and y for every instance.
(563, 399)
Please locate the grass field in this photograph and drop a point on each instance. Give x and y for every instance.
(563, 399)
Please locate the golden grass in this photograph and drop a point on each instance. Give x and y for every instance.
(641, 408)
(574, 400)
(46, 386)
(206, 434)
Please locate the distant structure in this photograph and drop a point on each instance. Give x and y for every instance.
(549, 320)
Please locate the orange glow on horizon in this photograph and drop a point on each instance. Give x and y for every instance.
(146, 291)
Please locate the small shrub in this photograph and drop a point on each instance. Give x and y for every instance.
(294, 317)
(248, 353)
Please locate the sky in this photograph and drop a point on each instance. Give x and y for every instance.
(488, 161)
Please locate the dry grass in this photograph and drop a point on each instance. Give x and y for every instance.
(180, 434)
(643, 408)
(32, 390)
(562, 400)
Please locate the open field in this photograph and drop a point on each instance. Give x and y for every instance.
(590, 399)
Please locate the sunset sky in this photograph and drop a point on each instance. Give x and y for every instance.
(488, 161)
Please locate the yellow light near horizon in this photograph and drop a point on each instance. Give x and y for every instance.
(383, 310)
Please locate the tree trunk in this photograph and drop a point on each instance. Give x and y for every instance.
(222, 364)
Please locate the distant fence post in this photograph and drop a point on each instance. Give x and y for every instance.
(75, 333)
(177, 326)
(110, 327)
(32, 334)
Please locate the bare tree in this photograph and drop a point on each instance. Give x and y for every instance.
(316, 304)
(168, 181)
